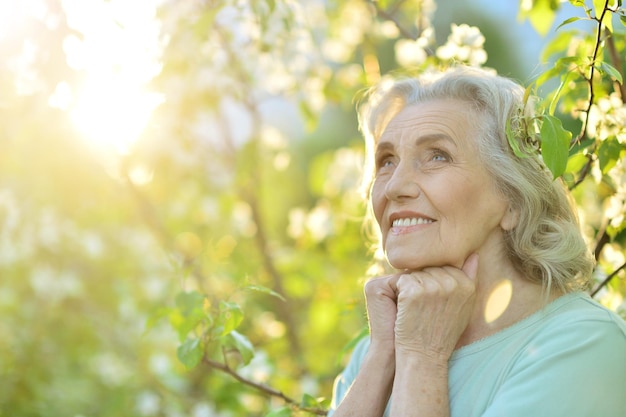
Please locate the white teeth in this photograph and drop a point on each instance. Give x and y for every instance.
(410, 222)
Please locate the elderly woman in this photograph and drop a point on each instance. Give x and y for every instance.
(485, 314)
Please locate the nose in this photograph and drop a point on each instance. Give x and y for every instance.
(402, 184)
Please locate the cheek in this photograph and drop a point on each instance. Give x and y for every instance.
(378, 201)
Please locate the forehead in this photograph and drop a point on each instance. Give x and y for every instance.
(437, 118)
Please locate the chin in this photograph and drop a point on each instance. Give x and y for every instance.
(411, 263)
(404, 263)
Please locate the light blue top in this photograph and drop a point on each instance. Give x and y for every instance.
(567, 360)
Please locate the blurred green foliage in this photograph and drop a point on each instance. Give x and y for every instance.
(214, 266)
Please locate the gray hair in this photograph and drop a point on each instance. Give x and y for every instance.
(547, 245)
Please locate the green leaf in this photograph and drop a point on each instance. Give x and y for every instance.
(561, 65)
(567, 60)
(558, 44)
(607, 20)
(510, 136)
(189, 313)
(190, 353)
(622, 18)
(568, 21)
(280, 412)
(241, 344)
(557, 94)
(156, 316)
(187, 302)
(576, 162)
(612, 71)
(554, 144)
(541, 15)
(265, 290)
(308, 401)
(598, 7)
(183, 324)
(577, 3)
(609, 153)
(231, 316)
(614, 230)
(547, 75)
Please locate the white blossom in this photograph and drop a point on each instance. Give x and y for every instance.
(464, 44)
(111, 370)
(319, 222)
(54, 285)
(607, 118)
(409, 53)
(297, 219)
(147, 403)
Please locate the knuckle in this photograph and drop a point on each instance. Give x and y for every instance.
(409, 285)
(372, 285)
(377, 286)
(449, 283)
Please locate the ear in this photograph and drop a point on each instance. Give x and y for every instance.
(510, 219)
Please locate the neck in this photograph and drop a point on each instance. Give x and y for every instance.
(503, 298)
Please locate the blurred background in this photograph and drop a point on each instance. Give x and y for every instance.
(151, 151)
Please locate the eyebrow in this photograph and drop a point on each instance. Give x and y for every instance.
(421, 140)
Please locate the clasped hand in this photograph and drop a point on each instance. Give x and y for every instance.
(422, 312)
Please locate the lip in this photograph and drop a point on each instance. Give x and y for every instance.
(399, 230)
(408, 215)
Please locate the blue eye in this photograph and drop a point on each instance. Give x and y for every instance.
(439, 155)
(384, 161)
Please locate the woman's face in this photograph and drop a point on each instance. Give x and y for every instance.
(433, 199)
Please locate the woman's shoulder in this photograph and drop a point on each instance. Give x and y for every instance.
(579, 309)
(569, 359)
(569, 318)
(575, 326)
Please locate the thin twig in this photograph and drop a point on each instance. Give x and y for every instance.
(390, 17)
(601, 240)
(592, 70)
(584, 171)
(608, 279)
(583, 130)
(262, 387)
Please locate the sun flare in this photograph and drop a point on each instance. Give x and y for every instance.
(119, 54)
(111, 113)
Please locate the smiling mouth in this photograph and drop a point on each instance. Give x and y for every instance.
(413, 221)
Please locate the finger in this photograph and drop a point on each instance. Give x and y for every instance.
(383, 286)
(410, 285)
(470, 267)
(392, 282)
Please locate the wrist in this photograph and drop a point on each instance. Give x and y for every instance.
(381, 356)
(422, 359)
(383, 347)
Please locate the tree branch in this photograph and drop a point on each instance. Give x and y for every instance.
(583, 129)
(602, 239)
(584, 171)
(390, 16)
(250, 194)
(607, 279)
(262, 388)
